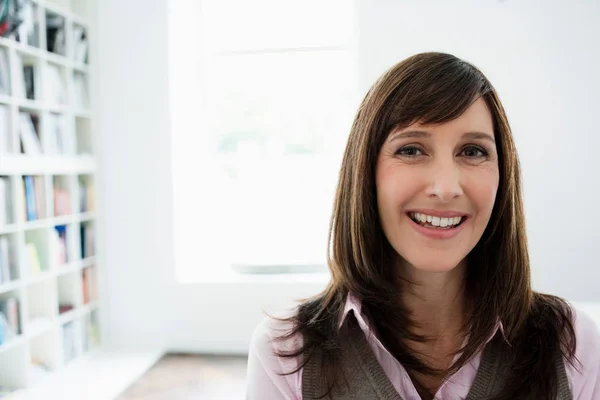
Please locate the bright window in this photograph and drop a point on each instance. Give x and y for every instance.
(263, 94)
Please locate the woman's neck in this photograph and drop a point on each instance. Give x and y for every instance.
(436, 300)
(437, 305)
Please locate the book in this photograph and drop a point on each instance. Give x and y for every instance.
(5, 206)
(10, 323)
(21, 197)
(60, 239)
(33, 260)
(54, 144)
(87, 240)
(80, 45)
(5, 141)
(5, 261)
(55, 34)
(85, 284)
(92, 285)
(4, 73)
(54, 87)
(86, 195)
(62, 203)
(30, 140)
(40, 198)
(59, 139)
(83, 193)
(19, 89)
(29, 76)
(30, 198)
(69, 342)
(81, 92)
(27, 32)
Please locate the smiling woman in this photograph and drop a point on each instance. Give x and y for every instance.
(430, 295)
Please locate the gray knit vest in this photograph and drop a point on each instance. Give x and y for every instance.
(366, 379)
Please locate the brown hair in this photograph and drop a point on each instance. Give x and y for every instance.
(433, 88)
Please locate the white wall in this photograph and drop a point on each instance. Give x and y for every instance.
(143, 306)
(551, 117)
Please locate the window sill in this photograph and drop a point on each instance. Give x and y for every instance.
(231, 276)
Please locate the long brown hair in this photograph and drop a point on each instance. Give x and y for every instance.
(433, 88)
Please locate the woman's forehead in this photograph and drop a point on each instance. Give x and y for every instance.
(476, 118)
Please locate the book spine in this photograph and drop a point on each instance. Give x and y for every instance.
(30, 198)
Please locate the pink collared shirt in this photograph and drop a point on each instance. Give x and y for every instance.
(264, 381)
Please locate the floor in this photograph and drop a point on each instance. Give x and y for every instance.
(186, 377)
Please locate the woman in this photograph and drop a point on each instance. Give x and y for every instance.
(430, 296)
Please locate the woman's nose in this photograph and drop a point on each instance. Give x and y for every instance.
(444, 180)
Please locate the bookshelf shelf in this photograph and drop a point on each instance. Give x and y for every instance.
(40, 277)
(48, 262)
(31, 105)
(26, 50)
(76, 314)
(35, 53)
(8, 229)
(10, 286)
(49, 165)
(18, 340)
(75, 266)
(64, 220)
(39, 327)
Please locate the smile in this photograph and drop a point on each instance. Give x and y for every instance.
(433, 222)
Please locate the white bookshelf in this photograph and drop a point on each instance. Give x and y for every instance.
(58, 302)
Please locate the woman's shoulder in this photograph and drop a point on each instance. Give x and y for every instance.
(272, 331)
(587, 329)
(584, 375)
(269, 374)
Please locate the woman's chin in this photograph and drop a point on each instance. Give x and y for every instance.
(435, 266)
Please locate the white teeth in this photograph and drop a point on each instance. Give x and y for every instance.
(435, 221)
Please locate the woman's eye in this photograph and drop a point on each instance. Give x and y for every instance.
(409, 151)
(474, 152)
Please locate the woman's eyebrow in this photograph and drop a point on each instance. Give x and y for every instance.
(409, 134)
(479, 135)
(425, 134)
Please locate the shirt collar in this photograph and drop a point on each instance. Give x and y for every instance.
(353, 303)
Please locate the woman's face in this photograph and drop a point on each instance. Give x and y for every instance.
(445, 177)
